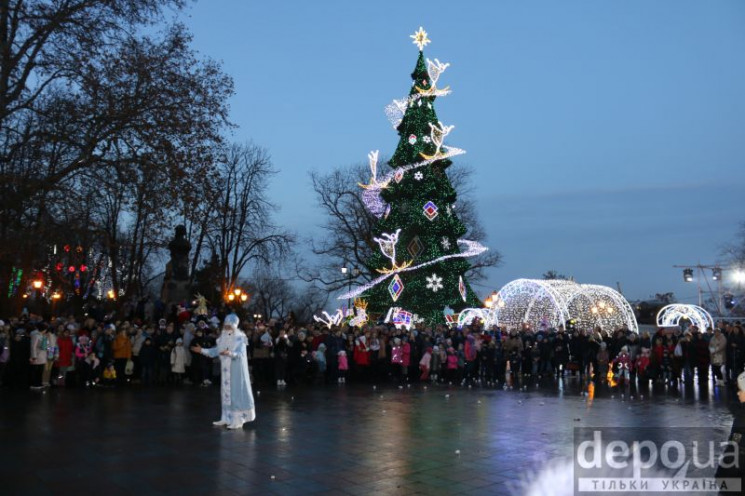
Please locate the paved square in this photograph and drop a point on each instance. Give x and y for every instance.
(348, 439)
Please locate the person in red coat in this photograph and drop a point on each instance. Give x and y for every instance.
(66, 352)
(361, 356)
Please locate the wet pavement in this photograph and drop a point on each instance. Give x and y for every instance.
(340, 439)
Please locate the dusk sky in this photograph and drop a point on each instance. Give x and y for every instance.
(607, 138)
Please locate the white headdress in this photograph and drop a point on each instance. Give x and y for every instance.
(231, 322)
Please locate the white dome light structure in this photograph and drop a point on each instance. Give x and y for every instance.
(670, 316)
(550, 303)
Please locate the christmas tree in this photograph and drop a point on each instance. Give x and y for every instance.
(422, 258)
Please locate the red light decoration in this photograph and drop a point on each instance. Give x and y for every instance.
(83, 268)
(71, 268)
(67, 248)
(58, 267)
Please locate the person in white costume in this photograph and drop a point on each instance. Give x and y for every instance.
(235, 385)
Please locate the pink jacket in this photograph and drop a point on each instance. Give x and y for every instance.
(453, 361)
(343, 364)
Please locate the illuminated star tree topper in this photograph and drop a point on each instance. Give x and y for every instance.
(420, 38)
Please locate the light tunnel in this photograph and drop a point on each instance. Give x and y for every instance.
(550, 303)
(671, 315)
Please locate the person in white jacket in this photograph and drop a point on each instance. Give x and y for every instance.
(38, 356)
(178, 361)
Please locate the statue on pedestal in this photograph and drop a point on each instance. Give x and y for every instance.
(176, 281)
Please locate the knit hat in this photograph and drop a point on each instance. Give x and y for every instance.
(179, 341)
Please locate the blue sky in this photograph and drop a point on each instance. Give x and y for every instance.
(607, 137)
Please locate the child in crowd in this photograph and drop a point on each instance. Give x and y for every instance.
(343, 366)
(623, 366)
(452, 365)
(436, 364)
(424, 364)
(109, 375)
(642, 366)
(178, 361)
(320, 358)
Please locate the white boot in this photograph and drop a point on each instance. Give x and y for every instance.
(235, 426)
(220, 423)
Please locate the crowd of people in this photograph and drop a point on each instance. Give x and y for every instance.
(65, 352)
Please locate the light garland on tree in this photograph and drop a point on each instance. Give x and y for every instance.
(438, 133)
(371, 194)
(472, 249)
(434, 69)
(395, 110)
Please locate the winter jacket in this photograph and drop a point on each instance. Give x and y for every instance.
(718, 348)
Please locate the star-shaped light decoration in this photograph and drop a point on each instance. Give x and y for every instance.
(418, 176)
(445, 242)
(420, 38)
(434, 283)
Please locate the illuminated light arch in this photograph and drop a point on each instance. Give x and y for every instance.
(550, 303)
(670, 316)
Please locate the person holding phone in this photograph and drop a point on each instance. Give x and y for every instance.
(235, 385)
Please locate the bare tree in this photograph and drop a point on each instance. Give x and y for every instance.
(554, 275)
(239, 230)
(734, 252)
(103, 125)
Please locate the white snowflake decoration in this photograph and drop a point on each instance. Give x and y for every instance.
(434, 283)
(418, 176)
(445, 242)
(449, 210)
(427, 139)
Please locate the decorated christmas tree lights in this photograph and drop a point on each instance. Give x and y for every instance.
(422, 258)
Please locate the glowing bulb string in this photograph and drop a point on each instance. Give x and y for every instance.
(395, 111)
(371, 196)
(473, 248)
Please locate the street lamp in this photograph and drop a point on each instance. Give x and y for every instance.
(349, 273)
(236, 295)
(688, 275)
(716, 274)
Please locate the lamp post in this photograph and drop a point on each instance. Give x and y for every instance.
(716, 276)
(345, 271)
(237, 296)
